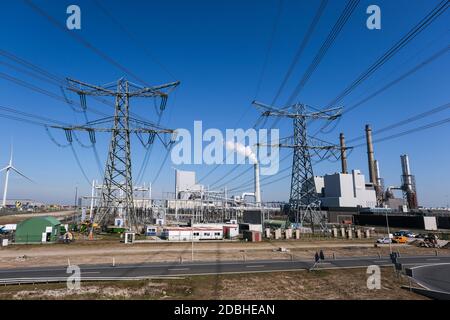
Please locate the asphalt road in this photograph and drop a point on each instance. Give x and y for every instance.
(223, 267)
(434, 277)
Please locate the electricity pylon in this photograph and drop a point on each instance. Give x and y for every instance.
(304, 201)
(117, 192)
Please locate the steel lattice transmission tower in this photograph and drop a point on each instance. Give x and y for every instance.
(303, 200)
(117, 192)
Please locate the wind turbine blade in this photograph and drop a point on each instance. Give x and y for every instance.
(5, 168)
(11, 154)
(19, 173)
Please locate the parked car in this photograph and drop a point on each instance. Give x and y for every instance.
(384, 240)
(400, 239)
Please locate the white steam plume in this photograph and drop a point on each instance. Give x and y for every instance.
(246, 151)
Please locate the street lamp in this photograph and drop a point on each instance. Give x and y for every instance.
(389, 233)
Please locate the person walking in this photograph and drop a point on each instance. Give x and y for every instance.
(322, 256)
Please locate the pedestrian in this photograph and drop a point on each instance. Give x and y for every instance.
(316, 257)
(322, 256)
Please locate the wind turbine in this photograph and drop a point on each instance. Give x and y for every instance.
(8, 168)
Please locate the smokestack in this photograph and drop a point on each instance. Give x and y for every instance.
(406, 172)
(377, 173)
(370, 157)
(257, 186)
(343, 153)
(408, 186)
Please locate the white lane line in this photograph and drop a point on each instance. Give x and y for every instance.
(257, 266)
(380, 261)
(178, 269)
(429, 265)
(85, 272)
(435, 259)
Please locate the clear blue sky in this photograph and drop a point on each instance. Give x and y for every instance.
(217, 50)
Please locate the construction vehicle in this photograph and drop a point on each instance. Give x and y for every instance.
(87, 225)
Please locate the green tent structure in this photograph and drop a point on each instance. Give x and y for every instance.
(38, 230)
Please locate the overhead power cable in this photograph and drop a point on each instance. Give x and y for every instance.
(288, 74)
(390, 137)
(414, 130)
(399, 79)
(389, 85)
(301, 48)
(416, 30)
(340, 23)
(269, 47)
(133, 38)
(83, 41)
(326, 45)
(416, 117)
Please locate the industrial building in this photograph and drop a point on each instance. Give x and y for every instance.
(345, 190)
(38, 230)
(185, 184)
(192, 234)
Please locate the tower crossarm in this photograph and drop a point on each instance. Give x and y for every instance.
(298, 111)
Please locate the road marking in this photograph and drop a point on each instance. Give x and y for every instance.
(380, 261)
(85, 272)
(435, 259)
(258, 266)
(178, 269)
(430, 265)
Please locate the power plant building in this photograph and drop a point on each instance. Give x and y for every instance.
(185, 182)
(346, 190)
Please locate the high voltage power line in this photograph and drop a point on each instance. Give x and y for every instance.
(417, 29)
(416, 117)
(407, 38)
(391, 83)
(46, 76)
(83, 41)
(133, 38)
(340, 23)
(259, 82)
(301, 48)
(393, 136)
(294, 62)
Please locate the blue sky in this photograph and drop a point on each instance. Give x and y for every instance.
(217, 50)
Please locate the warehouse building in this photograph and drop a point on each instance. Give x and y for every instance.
(38, 230)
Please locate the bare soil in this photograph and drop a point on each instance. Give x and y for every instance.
(349, 284)
(16, 218)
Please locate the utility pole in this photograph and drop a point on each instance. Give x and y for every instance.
(117, 190)
(303, 201)
(75, 204)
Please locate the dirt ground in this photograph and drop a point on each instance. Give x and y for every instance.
(103, 252)
(348, 284)
(16, 218)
